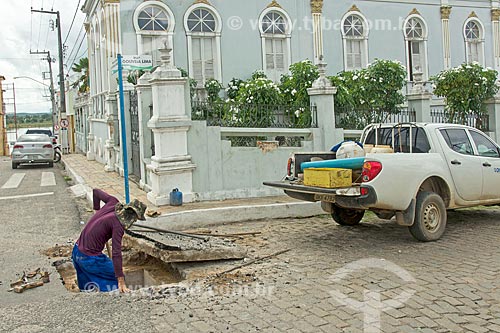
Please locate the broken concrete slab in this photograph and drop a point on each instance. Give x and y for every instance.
(80, 190)
(173, 248)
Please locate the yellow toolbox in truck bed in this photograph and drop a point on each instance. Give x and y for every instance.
(328, 177)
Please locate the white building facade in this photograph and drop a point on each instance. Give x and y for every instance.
(232, 39)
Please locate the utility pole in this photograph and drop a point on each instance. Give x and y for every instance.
(52, 92)
(3, 129)
(61, 66)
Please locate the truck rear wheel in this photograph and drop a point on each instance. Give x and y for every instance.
(430, 217)
(347, 216)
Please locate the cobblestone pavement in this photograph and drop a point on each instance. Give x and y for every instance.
(452, 285)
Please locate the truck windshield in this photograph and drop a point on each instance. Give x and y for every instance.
(402, 140)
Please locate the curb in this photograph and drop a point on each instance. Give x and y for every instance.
(197, 218)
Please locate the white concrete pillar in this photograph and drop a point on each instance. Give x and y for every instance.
(144, 103)
(495, 25)
(419, 100)
(171, 166)
(322, 98)
(445, 29)
(317, 10)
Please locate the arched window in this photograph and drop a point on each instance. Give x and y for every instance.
(355, 37)
(153, 23)
(415, 31)
(203, 28)
(474, 41)
(275, 31)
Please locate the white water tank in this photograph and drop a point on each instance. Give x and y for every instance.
(350, 149)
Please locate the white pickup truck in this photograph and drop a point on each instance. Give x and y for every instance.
(434, 167)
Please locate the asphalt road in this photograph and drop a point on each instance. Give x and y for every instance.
(36, 212)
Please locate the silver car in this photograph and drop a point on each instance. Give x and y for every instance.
(32, 148)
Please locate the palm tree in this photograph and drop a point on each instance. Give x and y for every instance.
(82, 67)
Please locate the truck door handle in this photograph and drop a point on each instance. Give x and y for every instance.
(455, 162)
(486, 164)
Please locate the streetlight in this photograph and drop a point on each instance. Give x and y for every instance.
(32, 79)
(52, 97)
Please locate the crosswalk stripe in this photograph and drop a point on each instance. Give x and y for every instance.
(48, 179)
(14, 180)
(27, 196)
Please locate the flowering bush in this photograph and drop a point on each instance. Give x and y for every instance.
(370, 94)
(232, 88)
(259, 91)
(465, 89)
(294, 86)
(213, 87)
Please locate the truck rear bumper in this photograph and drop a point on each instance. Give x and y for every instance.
(349, 197)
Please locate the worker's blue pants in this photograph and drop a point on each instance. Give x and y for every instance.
(94, 272)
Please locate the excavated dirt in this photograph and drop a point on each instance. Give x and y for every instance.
(58, 251)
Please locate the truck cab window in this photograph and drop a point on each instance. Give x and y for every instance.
(484, 146)
(458, 140)
(402, 140)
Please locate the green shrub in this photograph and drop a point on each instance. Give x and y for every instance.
(465, 88)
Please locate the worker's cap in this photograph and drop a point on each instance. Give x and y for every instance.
(138, 207)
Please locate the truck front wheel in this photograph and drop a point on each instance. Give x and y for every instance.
(430, 217)
(346, 216)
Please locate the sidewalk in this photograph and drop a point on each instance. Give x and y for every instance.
(90, 174)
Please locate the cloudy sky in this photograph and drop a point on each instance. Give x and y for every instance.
(23, 31)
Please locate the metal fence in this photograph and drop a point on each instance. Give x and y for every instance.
(481, 122)
(257, 116)
(352, 119)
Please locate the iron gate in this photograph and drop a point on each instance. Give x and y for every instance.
(134, 134)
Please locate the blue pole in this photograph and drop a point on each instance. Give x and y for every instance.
(124, 131)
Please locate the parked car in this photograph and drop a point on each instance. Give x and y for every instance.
(43, 131)
(425, 170)
(33, 148)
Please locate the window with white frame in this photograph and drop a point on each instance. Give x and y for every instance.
(416, 47)
(154, 25)
(355, 37)
(474, 42)
(202, 24)
(275, 30)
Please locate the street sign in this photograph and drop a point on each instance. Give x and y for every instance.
(64, 123)
(134, 62)
(56, 127)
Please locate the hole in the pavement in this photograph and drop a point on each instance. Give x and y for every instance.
(140, 269)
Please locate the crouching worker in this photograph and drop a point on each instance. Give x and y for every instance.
(95, 270)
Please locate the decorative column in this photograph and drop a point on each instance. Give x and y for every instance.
(495, 24)
(317, 10)
(144, 102)
(171, 166)
(115, 130)
(322, 98)
(445, 18)
(419, 99)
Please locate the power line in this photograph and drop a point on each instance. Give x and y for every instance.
(74, 45)
(39, 31)
(72, 21)
(81, 42)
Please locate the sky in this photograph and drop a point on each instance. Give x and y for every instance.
(23, 31)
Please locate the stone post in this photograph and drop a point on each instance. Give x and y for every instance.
(144, 100)
(171, 166)
(493, 107)
(90, 136)
(127, 88)
(419, 99)
(109, 144)
(322, 97)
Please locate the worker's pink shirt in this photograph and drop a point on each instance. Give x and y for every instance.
(101, 227)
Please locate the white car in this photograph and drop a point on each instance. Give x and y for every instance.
(31, 149)
(433, 167)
